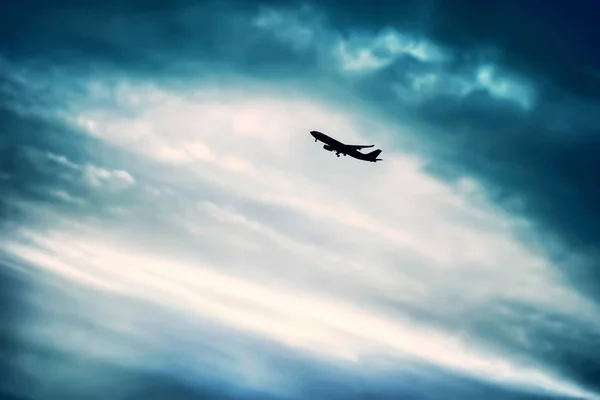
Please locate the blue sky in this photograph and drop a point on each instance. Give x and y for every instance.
(170, 230)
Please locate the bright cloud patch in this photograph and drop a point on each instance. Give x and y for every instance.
(428, 85)
(359, 53)
(256, 225)
(504, 87)
(295, 318)
(92, 175)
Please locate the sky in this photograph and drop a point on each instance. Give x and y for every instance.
(170, 230)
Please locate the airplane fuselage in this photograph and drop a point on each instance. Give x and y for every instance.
(341, 148)
(334, 145)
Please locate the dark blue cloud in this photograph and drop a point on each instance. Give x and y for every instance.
(552, 42)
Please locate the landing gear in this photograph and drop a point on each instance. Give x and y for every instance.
(337, 154)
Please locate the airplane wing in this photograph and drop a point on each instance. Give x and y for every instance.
(359, 146)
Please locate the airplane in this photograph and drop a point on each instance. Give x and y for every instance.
(346, 149)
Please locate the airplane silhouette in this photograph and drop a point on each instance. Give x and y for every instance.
(346, 149)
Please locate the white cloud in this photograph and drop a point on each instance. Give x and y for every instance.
(98, 177)
(363, 53)
(504, 87)
(95, 176)
(393, 202)
(66, 197)
(428, 85)
(361, 59)
(387, 232)
(62, 160)
(295, 317)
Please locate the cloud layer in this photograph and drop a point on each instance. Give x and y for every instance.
(165, 209)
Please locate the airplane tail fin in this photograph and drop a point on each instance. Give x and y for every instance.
(373, 155)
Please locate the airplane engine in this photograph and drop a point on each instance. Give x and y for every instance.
(327, 147)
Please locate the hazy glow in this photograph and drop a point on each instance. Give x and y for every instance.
(336, 238)
(261, 150)
(299, 319)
